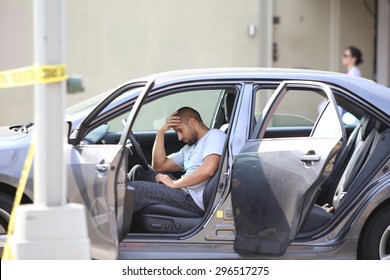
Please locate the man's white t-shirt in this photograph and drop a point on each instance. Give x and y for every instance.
(190, 158)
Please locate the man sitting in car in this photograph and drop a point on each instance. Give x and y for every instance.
(198, 159)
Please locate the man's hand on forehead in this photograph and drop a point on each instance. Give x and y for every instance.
(172, 121)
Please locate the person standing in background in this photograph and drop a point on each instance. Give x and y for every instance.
(351, 59)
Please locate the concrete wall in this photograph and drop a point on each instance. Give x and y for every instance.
(302, 34)
(16, 48)
(111, 41)
(119, 40)
(313, 33)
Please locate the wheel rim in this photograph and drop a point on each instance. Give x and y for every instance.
(384, 245)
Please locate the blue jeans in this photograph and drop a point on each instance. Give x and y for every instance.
(148, 192)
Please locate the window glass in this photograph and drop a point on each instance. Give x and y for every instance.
(153, 114)
(86, 105)
(326, 127)
(298, 108)
(118, 124)
(110, 128)
(302, 112)
(262, 96)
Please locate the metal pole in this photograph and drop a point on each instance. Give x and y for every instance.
(50, 228)
(266, 32)
(383, 43)
(49, 48)
(334, 36)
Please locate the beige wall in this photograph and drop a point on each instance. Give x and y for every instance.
(111, 41)
(313, 33)
(16, 104)
(120, 40)
(302, 34)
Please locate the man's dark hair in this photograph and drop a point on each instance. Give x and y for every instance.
(186, 113)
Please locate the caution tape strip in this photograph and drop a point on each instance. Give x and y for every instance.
(36, 74)
(18, 198)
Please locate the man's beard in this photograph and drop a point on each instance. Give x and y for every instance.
(193, 139)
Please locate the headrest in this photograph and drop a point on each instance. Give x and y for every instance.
(367, 124)
(228, 102)
(379, 126)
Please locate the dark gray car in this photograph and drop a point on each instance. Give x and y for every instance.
(304, 174)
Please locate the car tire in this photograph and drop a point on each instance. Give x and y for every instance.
(6, 203)
(375, 240)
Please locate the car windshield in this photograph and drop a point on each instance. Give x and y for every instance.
(86, 105)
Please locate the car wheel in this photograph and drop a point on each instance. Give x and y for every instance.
(375, 242)
(6, 203)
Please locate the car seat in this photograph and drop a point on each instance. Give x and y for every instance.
(162, 218)
(227, 105)
(362, 143)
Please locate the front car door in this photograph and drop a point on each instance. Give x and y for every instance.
(97, 172)
(276, 180)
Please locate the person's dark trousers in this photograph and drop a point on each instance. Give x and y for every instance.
(148, 192)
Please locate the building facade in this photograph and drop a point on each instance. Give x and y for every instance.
(111, 41)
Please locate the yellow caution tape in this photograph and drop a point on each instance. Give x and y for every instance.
(18, 198)
(36, 74)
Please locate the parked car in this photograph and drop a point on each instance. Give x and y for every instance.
(304, 174)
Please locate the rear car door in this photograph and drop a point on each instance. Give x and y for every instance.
(276, 180)
(97, 172)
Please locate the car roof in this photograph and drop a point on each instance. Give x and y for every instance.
(374, 93)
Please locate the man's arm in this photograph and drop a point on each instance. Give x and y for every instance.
(160, 161)
(205, 171)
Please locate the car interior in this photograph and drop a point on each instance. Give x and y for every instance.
(161, 218)
(367, 148)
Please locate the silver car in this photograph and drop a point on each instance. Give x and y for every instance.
(304, 174)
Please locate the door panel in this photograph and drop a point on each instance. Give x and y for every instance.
(91, 182)
(271, 184)
(276, 180)
(97, 173)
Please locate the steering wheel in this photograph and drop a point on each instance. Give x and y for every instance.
(136, 148)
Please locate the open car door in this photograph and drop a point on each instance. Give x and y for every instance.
(276, 180)
(97, 173)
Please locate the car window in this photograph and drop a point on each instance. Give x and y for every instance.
(261, 97)
(326, 127)
(86, 105)
(288, 113)
(153, 114)
(298, 108)
(108, 124)
(296, 114)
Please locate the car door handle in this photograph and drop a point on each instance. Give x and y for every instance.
(102, 167)
(310, 157)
